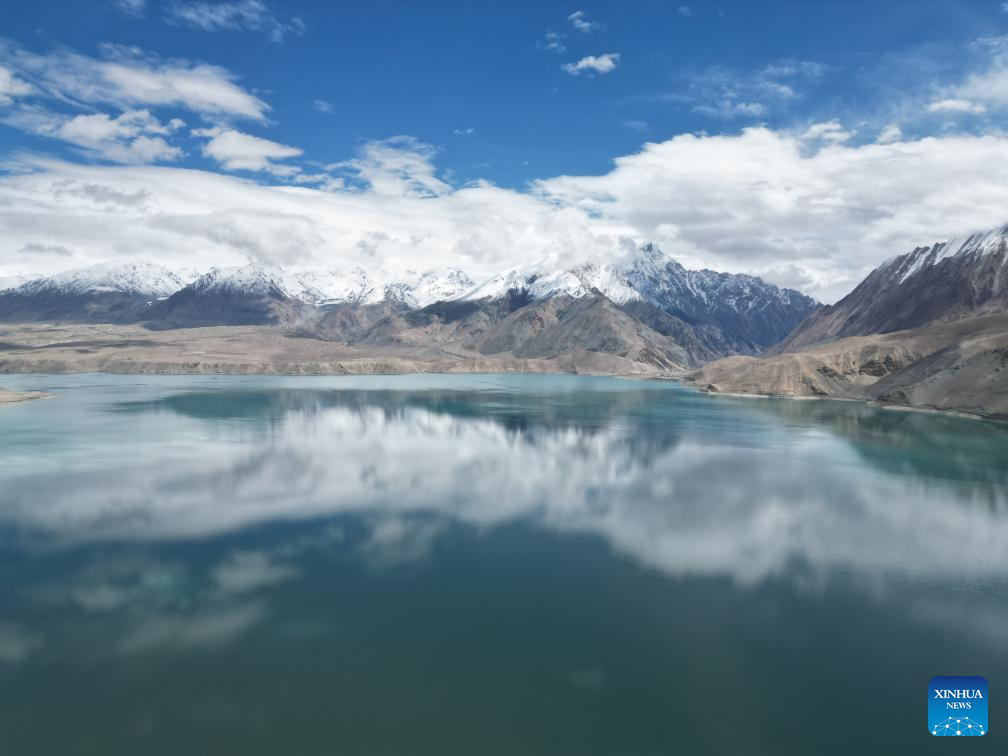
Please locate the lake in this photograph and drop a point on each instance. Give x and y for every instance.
(487, 564)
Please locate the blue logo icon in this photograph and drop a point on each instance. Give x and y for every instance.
(957, 706)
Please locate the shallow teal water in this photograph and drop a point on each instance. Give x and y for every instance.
(487, 565)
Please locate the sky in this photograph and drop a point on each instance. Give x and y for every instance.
(802, 142)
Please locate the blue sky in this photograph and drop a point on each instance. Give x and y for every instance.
(457, 102)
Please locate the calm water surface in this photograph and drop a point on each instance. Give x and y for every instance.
(488, 565)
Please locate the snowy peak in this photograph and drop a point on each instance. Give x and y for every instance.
(250, 280)
(335, 286)
(325, 287)
(576, 282)
(422, 289)
(972, 246)
(138, 279)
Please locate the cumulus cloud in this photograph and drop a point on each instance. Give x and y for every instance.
(685, 11)
(891, 133)
(236, 151)
(828, 131)
(245, 15)
(593, 64)
(818, 211)
(580, 21)
(129, 77)
(134, 136)
(323, 106)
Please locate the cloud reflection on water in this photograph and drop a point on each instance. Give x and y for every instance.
(703, 488)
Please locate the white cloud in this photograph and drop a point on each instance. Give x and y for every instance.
(986, 86)
(236, 151)
(598, 64)
(553, 42)
(891, 133)
(685, 11)
(131, 8)
(719, 92)
(397, 167)
(761, 201)
(464, 132)
(953, 105)
(828, 131)
(134, 136)
(580, 22)
(249, 571)
(11, 86)
(244, 15)
(127, 77)
(323, 106)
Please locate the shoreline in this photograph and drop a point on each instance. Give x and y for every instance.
(876, 404)
(10, 396)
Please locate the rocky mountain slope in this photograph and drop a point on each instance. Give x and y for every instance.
(515, 327)
(739, 313)
(925, 329)
(965, 277)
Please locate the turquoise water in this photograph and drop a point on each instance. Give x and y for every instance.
(488, 565)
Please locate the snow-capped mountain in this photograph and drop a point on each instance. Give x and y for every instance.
(326, 287)
(143, 279)
(575, 282)
(422, 289)
(255, 294)
(947, 281)
(107, 292)
(336, 286)
(750, 313)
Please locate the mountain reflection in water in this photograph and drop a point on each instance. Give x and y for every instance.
(492, 564)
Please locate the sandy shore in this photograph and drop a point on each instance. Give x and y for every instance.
(12, 397)
(867, 402)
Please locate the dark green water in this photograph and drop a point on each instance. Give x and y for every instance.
(488, 565)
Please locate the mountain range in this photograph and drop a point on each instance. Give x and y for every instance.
(927, 328)
(649, 307)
